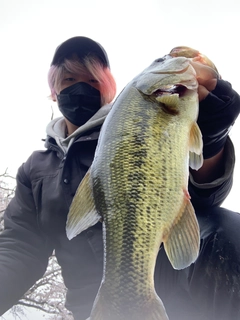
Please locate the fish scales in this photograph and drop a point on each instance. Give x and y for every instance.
(128, 258)
(136, 166)
(137, 185)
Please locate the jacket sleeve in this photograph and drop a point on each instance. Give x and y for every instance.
(209, 288)
(213, 194)
(24, 250)
(217, 114)
(214, 279)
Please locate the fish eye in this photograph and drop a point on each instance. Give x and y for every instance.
(166, 57)
(159, 60)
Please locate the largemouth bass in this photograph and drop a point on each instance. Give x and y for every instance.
(138, 186)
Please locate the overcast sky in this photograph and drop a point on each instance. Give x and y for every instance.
(133, 32)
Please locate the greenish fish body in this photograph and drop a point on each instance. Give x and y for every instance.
(137, 185)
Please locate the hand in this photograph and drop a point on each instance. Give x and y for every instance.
(205, 87)
(219, 104)
(206, 76)
(206, 72)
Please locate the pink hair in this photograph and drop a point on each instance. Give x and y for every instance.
(107, 84)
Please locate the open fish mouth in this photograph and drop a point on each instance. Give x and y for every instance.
(171, 89)
(169, 96)
(171, 76)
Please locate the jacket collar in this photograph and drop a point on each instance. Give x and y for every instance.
(56, 129)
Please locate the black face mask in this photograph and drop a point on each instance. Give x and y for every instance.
(79, 102)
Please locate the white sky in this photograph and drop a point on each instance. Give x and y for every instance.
(133, 32)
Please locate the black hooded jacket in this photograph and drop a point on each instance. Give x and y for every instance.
(35, 226)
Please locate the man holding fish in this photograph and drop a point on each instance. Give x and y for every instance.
(133, 224)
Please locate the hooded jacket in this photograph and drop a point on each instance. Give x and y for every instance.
(35, 226)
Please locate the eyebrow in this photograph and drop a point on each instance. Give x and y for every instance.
(70, 73)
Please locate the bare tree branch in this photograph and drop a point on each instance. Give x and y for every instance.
(48, 293)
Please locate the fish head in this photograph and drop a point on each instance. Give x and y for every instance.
(167, 71)
(172, 83)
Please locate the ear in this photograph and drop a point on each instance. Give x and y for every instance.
(53, 96)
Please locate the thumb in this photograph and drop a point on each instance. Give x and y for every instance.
(204, 72)
(202, 93)
(204, 87)
(209, 84)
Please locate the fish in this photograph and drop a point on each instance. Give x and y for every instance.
(137, 186)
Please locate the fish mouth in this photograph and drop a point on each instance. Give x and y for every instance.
(171, 89)
(169, 97)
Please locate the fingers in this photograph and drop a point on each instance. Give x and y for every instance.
(203, 71)
(206, 72)
(201, 58)
(207, 79)
(209, 84)
(202, 93)
(204, 87)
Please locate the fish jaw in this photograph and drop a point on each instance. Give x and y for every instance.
(162, 74)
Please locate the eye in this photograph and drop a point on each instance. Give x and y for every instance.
(93, 81)
(70, 79)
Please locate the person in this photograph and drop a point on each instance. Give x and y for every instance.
(81, 82)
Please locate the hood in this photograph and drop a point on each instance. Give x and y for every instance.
(57, 128)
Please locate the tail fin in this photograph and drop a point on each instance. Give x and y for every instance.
(124, 308)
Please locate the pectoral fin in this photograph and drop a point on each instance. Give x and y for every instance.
(82, 213)
(183, 240)
(195, 148)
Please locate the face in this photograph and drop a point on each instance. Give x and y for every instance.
(70, 78)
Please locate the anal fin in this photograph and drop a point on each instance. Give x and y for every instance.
(183, 240)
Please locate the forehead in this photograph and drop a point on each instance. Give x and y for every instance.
(71, 68)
